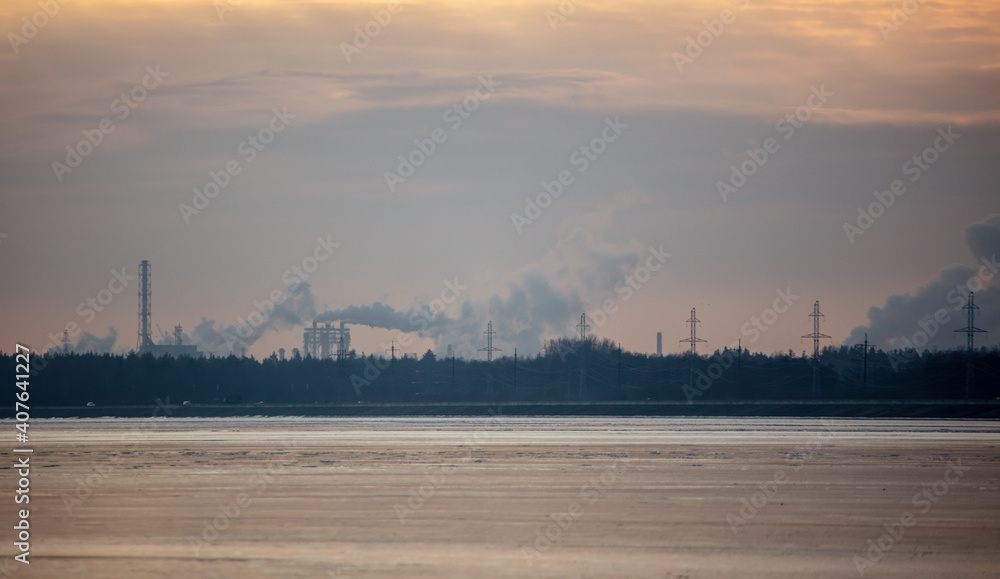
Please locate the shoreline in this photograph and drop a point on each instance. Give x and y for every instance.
(979, 409)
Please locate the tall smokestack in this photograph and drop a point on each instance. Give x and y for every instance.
(145, 338)
(659, 343)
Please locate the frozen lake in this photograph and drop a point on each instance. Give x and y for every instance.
(512, 497)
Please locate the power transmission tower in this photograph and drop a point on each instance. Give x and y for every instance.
(584, 326)
(489, 349)
(816, 335)
(515, 373)
(619, 369)
(864, 372)
(694, 339)
(739, 370)
(970, 330)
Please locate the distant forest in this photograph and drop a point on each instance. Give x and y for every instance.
(567, 371)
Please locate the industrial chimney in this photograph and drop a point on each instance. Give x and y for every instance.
(145, 335)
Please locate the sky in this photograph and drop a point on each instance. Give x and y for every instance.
(419, 169)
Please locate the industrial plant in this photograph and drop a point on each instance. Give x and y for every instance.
(570, 369)
(326, 341)
(145, 344)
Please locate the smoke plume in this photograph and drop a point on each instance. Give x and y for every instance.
(542, 302)
(89, 343)
(296, 309)
(532, 311)
(909, 319)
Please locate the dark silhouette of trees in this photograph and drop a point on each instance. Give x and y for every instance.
(568, 370)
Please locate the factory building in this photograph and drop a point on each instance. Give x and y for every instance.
(326, 341)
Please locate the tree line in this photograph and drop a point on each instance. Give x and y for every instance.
(568, 370)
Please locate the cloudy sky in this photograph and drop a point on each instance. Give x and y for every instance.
(713, 155)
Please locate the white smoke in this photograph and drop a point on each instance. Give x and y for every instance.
(531, 312)
(296, 309)
(543, 301)
(89, 343)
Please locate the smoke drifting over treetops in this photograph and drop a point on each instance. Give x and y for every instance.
(532, 311)
(545, 300)
(909, 319)
(295, 307)
(580, 272)
(90, 343)
(542, 301)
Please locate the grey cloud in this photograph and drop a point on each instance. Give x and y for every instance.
(910, 315)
